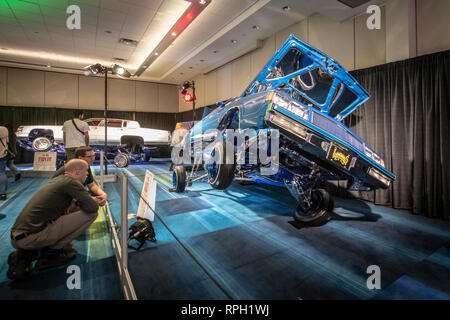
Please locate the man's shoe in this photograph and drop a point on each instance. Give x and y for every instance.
(20, 263)
(17, 176)
(2, 197)
(51, 258)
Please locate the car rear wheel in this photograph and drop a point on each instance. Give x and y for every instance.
(317, 211)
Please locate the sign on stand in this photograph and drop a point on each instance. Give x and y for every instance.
(44, 161)
(149, 194)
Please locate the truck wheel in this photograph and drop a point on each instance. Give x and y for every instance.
(220, 175)
(317, 212)
(179, 179)
(122, 160)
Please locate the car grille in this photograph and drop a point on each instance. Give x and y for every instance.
(336, 130)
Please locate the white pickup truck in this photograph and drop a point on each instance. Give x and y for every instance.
(120, 133)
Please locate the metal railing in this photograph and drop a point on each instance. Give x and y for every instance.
(120, 248)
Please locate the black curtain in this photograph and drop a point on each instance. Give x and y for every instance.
(407, 121)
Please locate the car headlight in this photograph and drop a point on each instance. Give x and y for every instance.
(292, 106)
(42, 144)
(372, 155)
(379, 176)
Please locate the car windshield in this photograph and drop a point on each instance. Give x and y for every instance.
(93, 123)
(111, 123)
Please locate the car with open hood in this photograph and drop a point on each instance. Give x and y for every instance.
(296, 103)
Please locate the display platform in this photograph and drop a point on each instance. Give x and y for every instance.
(243, 243)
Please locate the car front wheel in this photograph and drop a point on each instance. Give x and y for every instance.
(220, 173)
(317, 210)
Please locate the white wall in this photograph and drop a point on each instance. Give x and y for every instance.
(34, 88)
(408, 28)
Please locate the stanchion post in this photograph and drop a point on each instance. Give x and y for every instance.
(124, 222)
(101, 170)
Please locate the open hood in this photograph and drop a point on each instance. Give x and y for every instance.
(311, 78)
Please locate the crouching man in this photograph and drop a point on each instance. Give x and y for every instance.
(45, 228)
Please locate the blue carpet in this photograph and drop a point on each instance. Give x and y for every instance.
(99, 278)
(248, 247)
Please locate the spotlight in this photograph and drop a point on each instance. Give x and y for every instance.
(188, 97)
(93, 69)
(120, 71)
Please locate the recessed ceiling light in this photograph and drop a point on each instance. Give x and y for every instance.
(256, 27)
(286, 8)
(144, 66)
(233, 41)
(49, 66)
(128, 42)
(156, 53)
(202, 2)
(174, 34)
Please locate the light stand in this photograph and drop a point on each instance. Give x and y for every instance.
(99, 69)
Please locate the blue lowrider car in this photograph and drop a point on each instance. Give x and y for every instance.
(297, 102)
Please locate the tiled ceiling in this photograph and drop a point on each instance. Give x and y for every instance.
(33, 33)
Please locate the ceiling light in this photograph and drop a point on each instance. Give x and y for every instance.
(173, 34)
(120, 71)
(256, 27)
(128, 42)
(49, 66)
(156, 53)
(202, 2)
(286, 8)
(233, 41)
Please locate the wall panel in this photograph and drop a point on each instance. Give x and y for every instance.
(3, 85)
(370, 45)
(146, 96)
(91, 93)
(61, 90)
(121, 95)
(25, 87)
(224, 82)
(167, 98)
(333, 38)
(433, 26)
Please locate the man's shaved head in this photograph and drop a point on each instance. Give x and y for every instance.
(75, 164)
